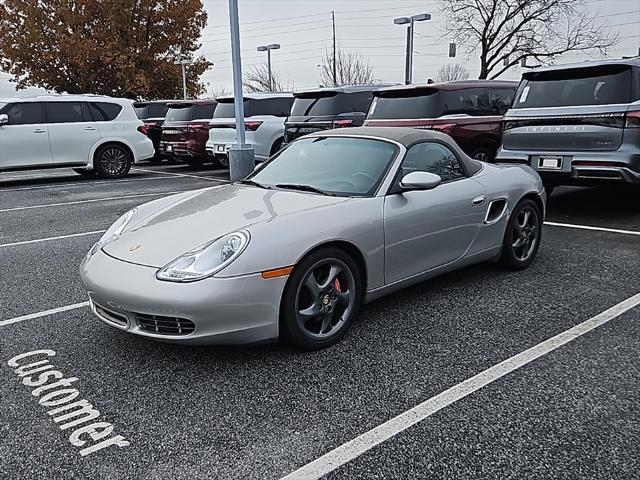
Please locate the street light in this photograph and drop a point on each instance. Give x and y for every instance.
(408, 71)
(241, 156)
(183, 63)
(268, 48)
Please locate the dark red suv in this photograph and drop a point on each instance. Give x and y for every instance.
(469, 111)
(185, 130)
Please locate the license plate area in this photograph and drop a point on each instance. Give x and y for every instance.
(221, 148)
(550, 162)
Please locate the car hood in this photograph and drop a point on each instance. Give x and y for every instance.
(172, 230)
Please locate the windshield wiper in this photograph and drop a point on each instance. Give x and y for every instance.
(255, 184)
(304, 188)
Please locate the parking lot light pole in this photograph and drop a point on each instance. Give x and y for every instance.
(408, 69)
(268, 48)
(241, 157)
(183, 63)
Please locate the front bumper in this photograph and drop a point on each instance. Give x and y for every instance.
(579, 168)
(220, 311)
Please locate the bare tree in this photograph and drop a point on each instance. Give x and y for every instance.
(257, 80)
(351, 68)
(451, 72)
(506, 31)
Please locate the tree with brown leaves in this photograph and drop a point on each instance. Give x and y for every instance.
(124, 48)
(504, 32)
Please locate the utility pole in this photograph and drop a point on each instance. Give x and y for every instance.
(333, 22)
(241, 157)
(183, 63)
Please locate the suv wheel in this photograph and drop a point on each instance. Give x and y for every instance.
(222, 161)
(483, 154)
(112, 161)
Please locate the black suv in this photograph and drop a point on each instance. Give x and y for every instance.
(327, 108)
(152, 113)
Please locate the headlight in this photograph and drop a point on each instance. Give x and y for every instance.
(113, 232)
(205, 260)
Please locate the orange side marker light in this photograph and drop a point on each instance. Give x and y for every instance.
(277, 272)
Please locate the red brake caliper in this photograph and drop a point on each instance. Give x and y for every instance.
(336, 285)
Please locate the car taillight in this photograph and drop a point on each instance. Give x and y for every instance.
(342, 123)
(142, 129)
(632, 119)
(252, 126)
(444, 127)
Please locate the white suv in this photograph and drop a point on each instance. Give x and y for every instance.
(264, 116)
(98, 135)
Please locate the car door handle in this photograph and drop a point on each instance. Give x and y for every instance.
(479, 200)
(39, 130)
(91, 129)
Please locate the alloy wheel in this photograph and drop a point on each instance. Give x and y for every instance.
(525, 233)
(325, 299)
(114, 161)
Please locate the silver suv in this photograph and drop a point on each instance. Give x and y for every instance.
(577, 123)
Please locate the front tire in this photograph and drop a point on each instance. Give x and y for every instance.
(522, 236)
(112, 161)
(320, 300)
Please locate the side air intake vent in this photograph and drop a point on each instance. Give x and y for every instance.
(496, 210)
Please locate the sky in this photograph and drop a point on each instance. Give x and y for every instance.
(303, 28)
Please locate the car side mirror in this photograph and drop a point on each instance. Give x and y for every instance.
(420, 181)
(4, 118)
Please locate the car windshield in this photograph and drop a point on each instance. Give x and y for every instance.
(582, 86)
(401, 104)
(343, 166)
(182, 114)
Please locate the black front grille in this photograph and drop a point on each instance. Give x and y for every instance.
(164, 325)
(111, 316)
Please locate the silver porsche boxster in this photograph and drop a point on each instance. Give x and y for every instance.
(335, 219)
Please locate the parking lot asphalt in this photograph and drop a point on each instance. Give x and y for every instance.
(262, 412)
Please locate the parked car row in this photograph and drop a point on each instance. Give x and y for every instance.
(574, 124)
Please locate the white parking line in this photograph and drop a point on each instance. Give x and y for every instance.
(31, 316)
(587, 227)
(211, 179)
(158, 194)
(359, 445)
(80, 183)
(60, 237)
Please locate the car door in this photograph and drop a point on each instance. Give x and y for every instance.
(24, 141)
(425, 229)
(72, 131)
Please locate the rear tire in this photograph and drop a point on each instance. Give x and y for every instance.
(194, 162)
(112, 161)
(320, 300)
(221, 161)
(276, 147)
(522, 236)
